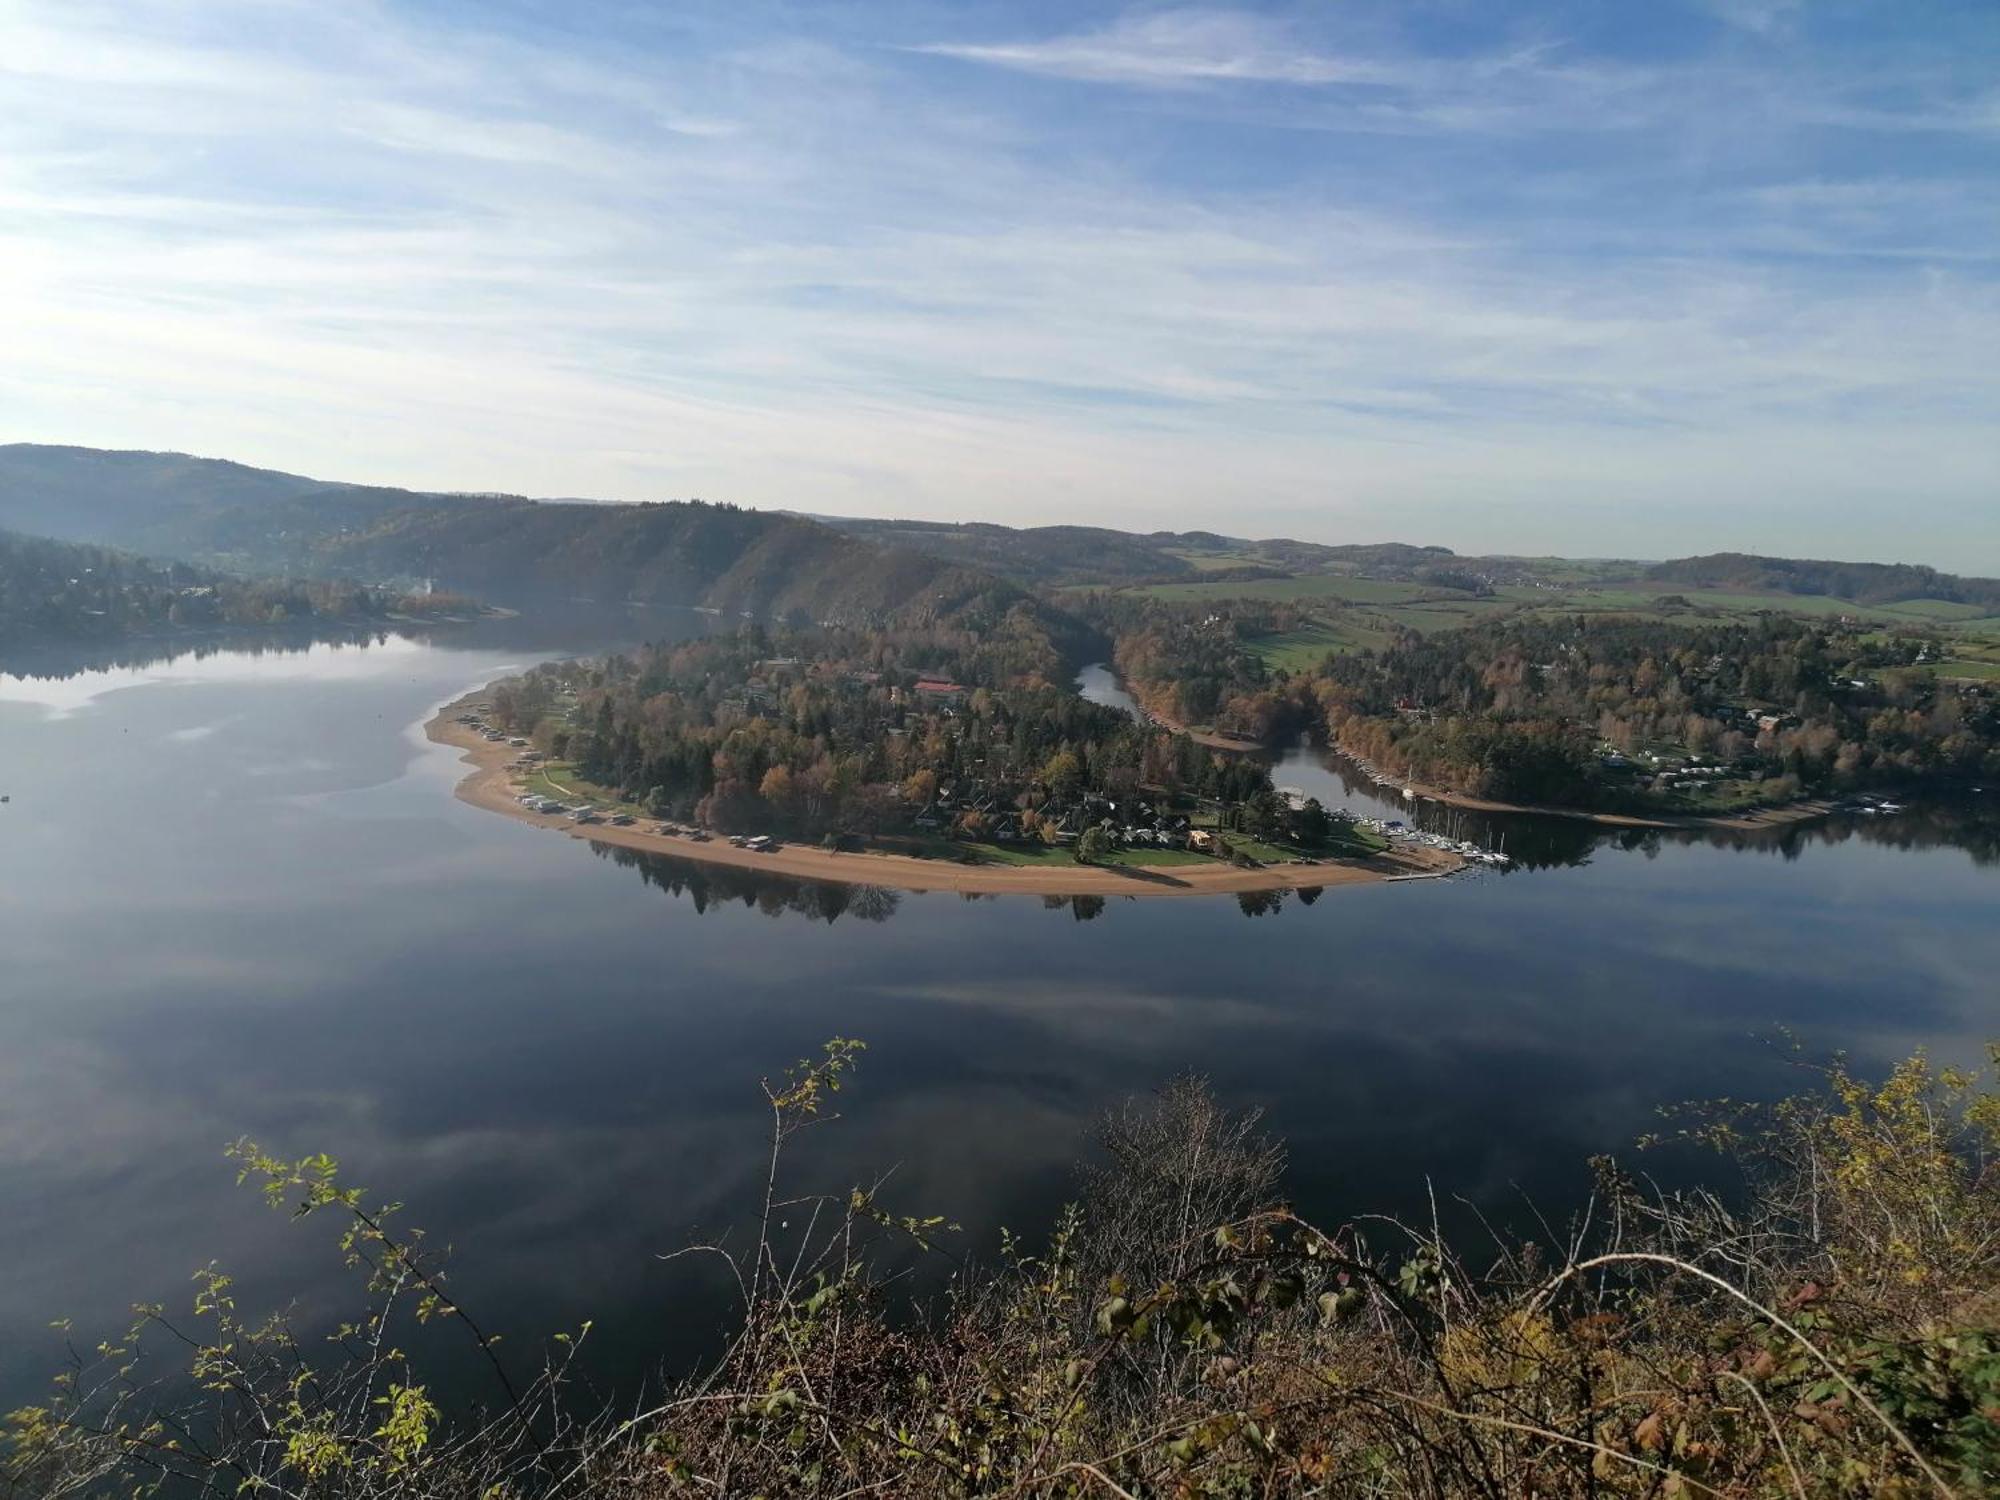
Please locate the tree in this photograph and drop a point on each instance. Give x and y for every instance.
(1062, 773)
(1312, 823)
(1093, 846)
(778, 792)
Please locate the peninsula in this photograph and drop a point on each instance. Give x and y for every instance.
(497, 778)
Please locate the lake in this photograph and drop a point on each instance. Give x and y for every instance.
(240, 899)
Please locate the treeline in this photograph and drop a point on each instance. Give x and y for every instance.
(54, 591)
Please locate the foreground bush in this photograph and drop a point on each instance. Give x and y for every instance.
(1182, 1333)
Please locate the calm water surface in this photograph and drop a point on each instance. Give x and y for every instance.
(236, 896)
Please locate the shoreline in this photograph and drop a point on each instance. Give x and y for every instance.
(1801, 811)
(490, 786)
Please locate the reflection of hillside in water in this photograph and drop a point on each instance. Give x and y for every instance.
(1970, 822)
(709, 888)
(60, 663)
(580, 628)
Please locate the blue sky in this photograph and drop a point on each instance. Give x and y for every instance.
(1583, 278)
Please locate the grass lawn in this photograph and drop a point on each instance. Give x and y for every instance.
(1263, 853)
(1722, 797)
(1360, 843)
(1044, 854)
(558, 779)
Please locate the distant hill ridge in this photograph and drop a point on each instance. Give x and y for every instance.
(508, 548)
(1863, 583)
(1058, 556)
(504, 549)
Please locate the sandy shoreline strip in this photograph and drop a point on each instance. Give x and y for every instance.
(491, 785)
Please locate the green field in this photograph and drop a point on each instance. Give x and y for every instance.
(1970, 669)
(1726, 601)
(1423, 607)
(1936, 609)
(1301, 650)
(1429, 616)
(1312, 586)
(1214, 562)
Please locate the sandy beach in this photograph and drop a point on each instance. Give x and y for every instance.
(491, 784)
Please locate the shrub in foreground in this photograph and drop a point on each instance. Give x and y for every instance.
(1181, 1333)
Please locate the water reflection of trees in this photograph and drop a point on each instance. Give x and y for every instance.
(710, 887)
(1971, 823)
(60, 663)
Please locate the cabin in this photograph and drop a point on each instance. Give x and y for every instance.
(1201, 841)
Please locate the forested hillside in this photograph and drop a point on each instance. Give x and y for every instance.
(1072, 556)
(503, 549)
(1052, 556)
(67, 591)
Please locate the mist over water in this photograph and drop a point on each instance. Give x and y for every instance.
(240, 898)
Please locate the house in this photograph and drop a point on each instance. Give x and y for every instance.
(1201, 841)
(939, 692)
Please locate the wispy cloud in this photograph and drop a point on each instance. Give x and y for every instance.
(1175, 48)
(1513, 295)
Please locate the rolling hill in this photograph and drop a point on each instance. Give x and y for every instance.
(502, 549)
(1861, 583)
(512, 550)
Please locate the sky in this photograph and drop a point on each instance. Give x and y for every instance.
(1581, 278)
